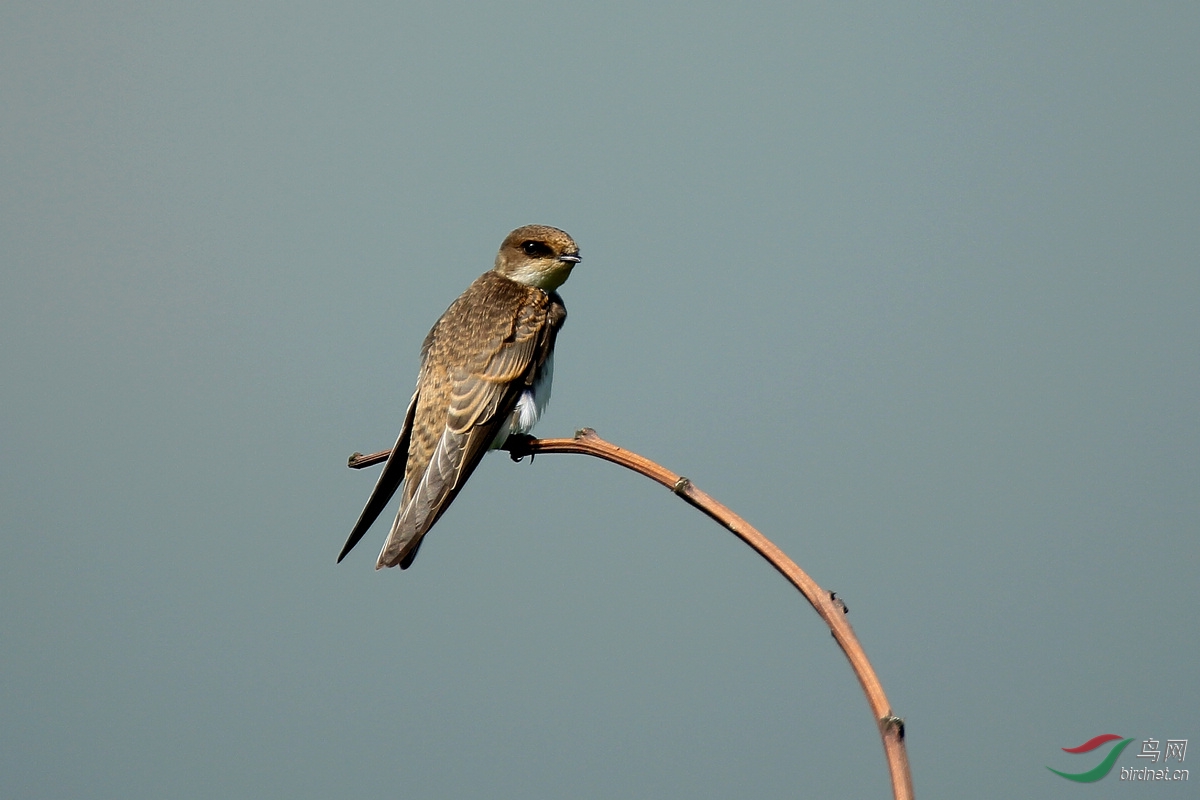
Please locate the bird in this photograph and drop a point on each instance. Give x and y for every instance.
(486, 369)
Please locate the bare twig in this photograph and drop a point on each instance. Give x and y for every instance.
(827, 605)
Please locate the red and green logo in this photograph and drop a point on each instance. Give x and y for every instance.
(1101, 769)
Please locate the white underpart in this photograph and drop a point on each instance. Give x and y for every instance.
(530, 405)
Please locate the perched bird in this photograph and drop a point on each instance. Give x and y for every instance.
(486, 368)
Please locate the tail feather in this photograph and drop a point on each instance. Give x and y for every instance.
(389, 480)
(454, 459)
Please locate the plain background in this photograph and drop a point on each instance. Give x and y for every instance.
(912, 287)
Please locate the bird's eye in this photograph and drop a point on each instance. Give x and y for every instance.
(535, 249)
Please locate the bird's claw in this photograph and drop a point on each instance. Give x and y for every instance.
(518, 446)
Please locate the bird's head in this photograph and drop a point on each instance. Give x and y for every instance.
(538, 255)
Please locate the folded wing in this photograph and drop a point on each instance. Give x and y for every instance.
(470, 406)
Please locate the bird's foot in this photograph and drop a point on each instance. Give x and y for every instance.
(518, 446)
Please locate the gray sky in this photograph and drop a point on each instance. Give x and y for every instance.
(912, 288)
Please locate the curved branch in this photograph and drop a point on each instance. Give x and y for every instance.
(826, 604)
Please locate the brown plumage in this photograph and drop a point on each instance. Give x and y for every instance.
(485, 373)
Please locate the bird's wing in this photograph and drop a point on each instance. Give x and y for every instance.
(389, 481)
(482, 395)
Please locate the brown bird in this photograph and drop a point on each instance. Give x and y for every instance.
(486, 368)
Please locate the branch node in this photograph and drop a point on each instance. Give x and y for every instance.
(892, 723)
(585, 433)
(681, 486)
(837, 601)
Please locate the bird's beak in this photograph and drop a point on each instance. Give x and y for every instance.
(571, 258)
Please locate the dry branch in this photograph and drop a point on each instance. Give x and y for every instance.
(826, 604)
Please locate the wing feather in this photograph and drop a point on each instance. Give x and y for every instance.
(491, 371)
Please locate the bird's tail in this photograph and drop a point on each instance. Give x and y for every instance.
(454, 459)
(423, 501)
